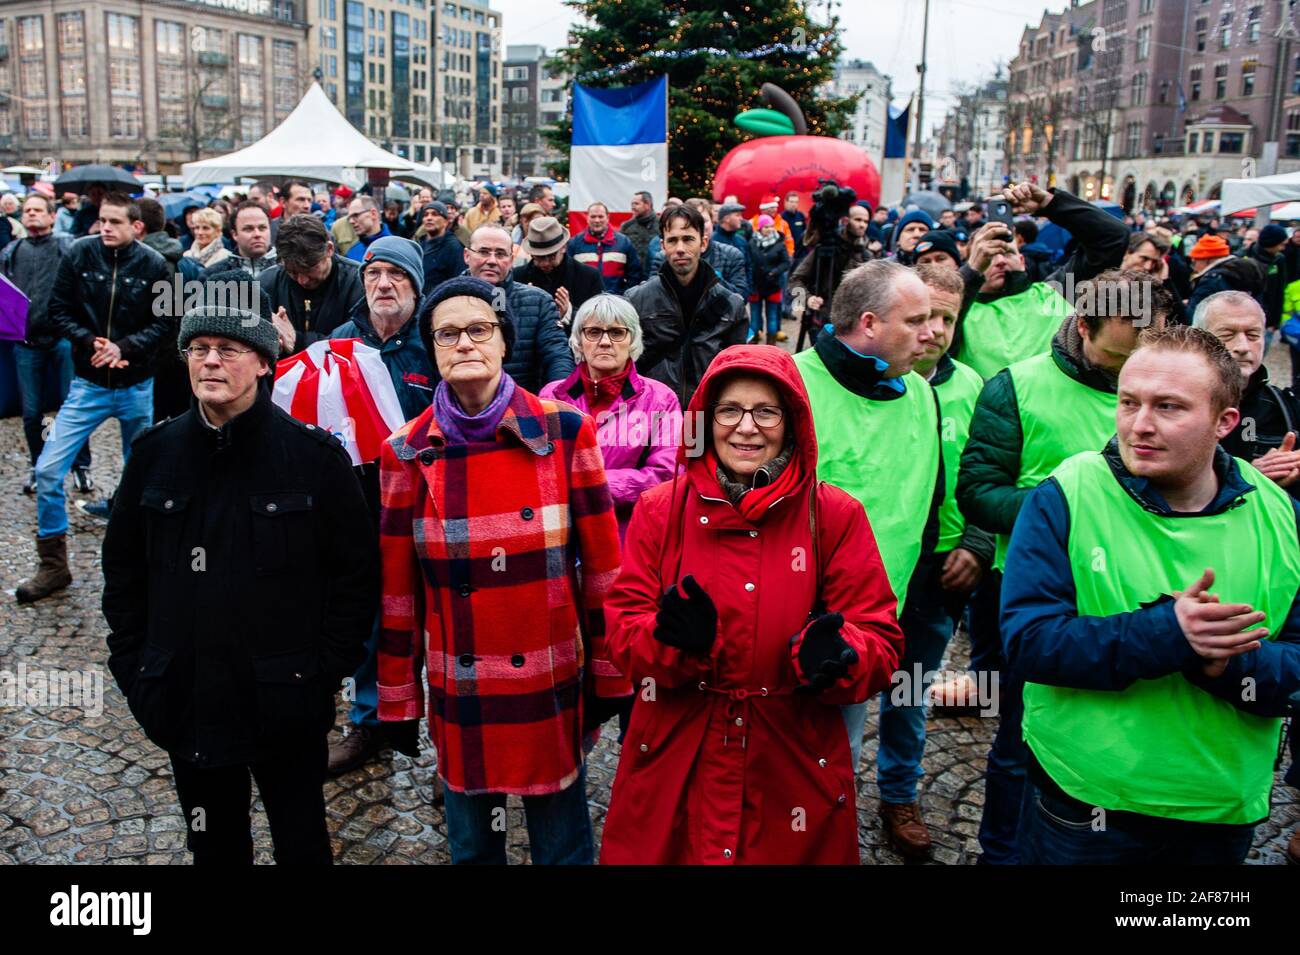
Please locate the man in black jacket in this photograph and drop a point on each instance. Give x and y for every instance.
(312, 289)
(240, 582)
(32, 263)
(849, 251)
(687, 315)
(444, 255)
(103, 302)
(552, 270)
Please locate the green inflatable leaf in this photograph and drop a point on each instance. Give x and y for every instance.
(765, 122)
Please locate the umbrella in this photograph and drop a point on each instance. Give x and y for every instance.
(1113, 208)
(82, 178)
(175, 203)
(13, 312)
(397, 192)
(932, 203)
(22, 171)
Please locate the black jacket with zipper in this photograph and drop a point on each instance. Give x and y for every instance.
(241, 581)
(109, 293)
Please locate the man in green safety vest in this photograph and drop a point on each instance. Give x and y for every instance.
(940, 585)
(877, 421)
(1150, 606)
(1028, 419)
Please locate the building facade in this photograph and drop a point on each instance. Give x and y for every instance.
(866, 129)
(533, 98)
(420, 78)
(969, 143)
(151, 84)
(1153, 103)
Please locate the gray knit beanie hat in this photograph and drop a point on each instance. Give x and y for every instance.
(228, 320)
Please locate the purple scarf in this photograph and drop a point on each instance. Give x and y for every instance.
(460, 428)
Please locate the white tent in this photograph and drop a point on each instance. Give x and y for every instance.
(1241, 194)
(315, 142)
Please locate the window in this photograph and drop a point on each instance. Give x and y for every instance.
(1144, 42)
(72, 76)
(1225, 31)
(1207, 143)
(1253, 24)
(1231, 142)
(1134, 138)
(1221, 81)
(75, 123)
(122, 33)
(1139, 89)
(1195, 83)
(124, 119)
(1248, 78)
(1202, 24)
(72, 33)
(1293, 145)
(31, 35)
(250, 89)
(1193, 140)
(250, 127)
(284, 69)
(36, 120)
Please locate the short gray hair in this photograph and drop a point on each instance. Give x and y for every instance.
(871, 287)
(1228, 299)
(607, 309)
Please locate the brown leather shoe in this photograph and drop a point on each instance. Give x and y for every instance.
(1293, 848)
(358, 747)
(52, 575)
(905, 830)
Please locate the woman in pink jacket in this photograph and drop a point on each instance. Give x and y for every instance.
(638, 426)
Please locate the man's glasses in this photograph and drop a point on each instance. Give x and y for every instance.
(616, 333)
(765, 416)
(371, 276)
(449, 336)
(498, 254)
(224, 352)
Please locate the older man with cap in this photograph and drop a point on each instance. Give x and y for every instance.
(444, 254)
(240, 582)
(1215, 269)
(551, 269)
(393, 277)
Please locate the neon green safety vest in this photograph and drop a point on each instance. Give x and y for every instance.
(997, 334)
(884, 453)
(1165, 747)
(957, 398)
(1059, 416)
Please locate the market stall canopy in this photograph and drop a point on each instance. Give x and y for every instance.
(1241, 194)
(315, 142)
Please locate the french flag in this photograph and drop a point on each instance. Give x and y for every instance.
(620, 148)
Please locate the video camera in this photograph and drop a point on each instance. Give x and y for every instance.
(831, 203)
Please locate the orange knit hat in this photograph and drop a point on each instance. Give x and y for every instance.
(1211, 247)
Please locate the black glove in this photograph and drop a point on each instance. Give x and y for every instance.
(404, 737)
(688, 623)
(823, 656)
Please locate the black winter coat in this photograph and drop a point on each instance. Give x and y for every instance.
(92, 280)
(679, 348)
(1267, 414)
(241, 580)
(582, 281)
(314, 313)
(769, 263)
(444, 258)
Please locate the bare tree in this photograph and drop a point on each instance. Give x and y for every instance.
(205, 121)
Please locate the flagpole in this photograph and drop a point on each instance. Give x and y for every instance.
(920, 98)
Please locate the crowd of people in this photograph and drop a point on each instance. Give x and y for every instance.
(616, 497)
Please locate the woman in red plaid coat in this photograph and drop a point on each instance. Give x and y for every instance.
(498, 542)
(744, 633)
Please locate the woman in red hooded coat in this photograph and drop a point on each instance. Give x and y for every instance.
(743, 636)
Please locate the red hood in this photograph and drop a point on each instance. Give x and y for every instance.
(764, 361)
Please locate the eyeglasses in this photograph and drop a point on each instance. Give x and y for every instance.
(616, 333)
(449, 336)
(358, 215)
(765, 416)
(224, 352)
(371, 276)
(498, 254)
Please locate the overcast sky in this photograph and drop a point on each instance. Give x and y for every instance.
(967, 37)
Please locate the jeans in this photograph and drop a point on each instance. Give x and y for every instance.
(291, 787)
(1004, 779)
(85, 409)
(34, 366)
(756, 310)
(559, 827)
(1056, 832)
(927, 628)
(365, 702)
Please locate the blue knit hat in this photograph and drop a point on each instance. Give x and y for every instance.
(916, 215)
(403, 253)
(469, 287)
(1271, 235)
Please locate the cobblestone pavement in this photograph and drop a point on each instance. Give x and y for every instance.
(76, 787)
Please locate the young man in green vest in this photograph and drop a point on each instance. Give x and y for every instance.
(1006, 316)
(940, 585)
(1028, 419)
(1150, 606)
(877, 421)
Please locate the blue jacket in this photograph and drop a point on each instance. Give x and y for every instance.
(1048, 642)
(357, 252)
(738, 240)
(408, 364)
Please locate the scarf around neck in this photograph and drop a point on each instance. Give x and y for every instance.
(602, 393)
(461, 428)
(776, 479)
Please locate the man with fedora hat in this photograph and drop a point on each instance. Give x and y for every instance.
(551, 269)
(241, 580)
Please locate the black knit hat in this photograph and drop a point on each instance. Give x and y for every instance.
(469, 287)
(221, 313)
(938, 241)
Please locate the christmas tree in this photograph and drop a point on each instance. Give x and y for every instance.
(716, 56)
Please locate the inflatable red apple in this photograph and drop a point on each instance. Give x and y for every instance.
(791, 160)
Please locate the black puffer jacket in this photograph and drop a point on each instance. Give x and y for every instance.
(1234, 274)
(679, 348)
(241, 580)
(109, 293)
(33, 264)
